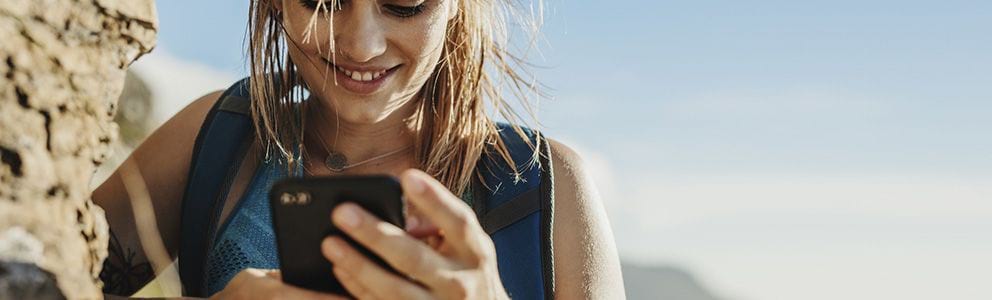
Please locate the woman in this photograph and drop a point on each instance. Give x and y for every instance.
(392, 87)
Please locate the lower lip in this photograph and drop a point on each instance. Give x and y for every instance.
(361, 87)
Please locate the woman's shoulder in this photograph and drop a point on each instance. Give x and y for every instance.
(167, 151)
(586, 258)
(164, 156)
(585, 255)
(572, 179)
(182, 127)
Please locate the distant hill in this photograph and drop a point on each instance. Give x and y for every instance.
(662, 283)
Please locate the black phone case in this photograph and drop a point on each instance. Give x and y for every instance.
(301, 217)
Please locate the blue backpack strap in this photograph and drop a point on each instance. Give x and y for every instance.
(220, 146)
(518, 214)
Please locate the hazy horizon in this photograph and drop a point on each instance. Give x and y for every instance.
(777, 150)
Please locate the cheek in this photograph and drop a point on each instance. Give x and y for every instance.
(424, 44)
(296, 21)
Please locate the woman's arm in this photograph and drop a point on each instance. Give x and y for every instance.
(162, 162)
(586, 262)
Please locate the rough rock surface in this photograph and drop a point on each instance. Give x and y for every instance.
(62, 66)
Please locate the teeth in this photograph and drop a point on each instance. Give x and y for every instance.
(361, 76)
(346, 72)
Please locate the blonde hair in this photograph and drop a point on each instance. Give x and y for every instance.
(455, 127)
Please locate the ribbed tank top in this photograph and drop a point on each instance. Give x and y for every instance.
(246, 239)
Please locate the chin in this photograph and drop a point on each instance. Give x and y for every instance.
(364, 117)
(361, 110)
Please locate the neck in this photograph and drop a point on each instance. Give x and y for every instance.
(361, 141)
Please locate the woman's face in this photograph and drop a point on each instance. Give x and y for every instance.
(384, 51)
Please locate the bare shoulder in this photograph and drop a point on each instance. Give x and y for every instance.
(586, 262)
(575, 190)
(181, 127)
(166, 153)
(162, 161)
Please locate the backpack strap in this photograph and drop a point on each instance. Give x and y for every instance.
(518, 214)
(547, 215)
(221, 144)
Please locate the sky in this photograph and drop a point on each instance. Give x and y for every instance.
(776, 149)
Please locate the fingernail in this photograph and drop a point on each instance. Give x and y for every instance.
(333, 248)
(348, 216)
(412, 222)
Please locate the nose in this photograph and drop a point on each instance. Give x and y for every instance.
(361, 36)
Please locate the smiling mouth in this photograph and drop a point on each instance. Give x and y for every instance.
(362, 76)
(361, 82)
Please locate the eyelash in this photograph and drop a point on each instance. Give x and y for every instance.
(406, 11)
(396, 10)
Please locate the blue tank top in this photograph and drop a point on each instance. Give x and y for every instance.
(246, 240)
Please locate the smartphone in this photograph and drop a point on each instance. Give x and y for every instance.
(301, 217)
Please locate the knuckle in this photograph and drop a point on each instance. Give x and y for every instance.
(483, 253)
(459, 287)
(476, 261)
(464, 223)
(488, 250)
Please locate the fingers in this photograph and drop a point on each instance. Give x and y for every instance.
(356, 272)
(419, 226)
(452, 216)
(406, 254)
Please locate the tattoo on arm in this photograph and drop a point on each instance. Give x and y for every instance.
(123, 273)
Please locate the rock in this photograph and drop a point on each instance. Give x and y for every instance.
(20, 280)
(62, 66)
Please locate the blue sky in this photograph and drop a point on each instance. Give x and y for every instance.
(751, 141)
(849, 85)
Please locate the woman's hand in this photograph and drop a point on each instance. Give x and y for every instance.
(266, 284)
(461, 264)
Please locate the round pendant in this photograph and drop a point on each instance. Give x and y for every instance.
(335, 161)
